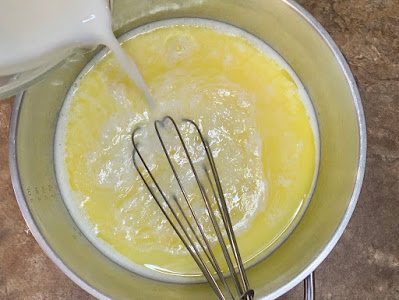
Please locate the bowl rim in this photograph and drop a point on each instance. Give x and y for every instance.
(318, 28)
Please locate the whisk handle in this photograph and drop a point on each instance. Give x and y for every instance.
(309, 287)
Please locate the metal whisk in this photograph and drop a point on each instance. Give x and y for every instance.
(184, 218)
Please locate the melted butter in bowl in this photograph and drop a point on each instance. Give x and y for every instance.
(248, 102)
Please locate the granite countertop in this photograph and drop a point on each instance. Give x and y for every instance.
(365, 262)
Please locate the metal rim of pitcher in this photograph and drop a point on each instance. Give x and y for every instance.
(300, 277)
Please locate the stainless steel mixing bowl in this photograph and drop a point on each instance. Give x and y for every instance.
(315, 58)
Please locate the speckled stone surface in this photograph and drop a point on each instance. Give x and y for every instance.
(365, 262)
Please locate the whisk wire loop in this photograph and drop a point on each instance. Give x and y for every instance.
(204, 197)
(190, 245)
(193, 213)
(195, 238)
(223, 209)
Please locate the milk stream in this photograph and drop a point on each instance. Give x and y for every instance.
(35, 33)
(129, 67)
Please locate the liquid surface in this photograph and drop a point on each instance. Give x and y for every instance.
(250, 105)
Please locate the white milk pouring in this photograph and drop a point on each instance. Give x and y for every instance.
(33, 33)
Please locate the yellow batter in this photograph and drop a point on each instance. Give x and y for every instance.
(248, 105)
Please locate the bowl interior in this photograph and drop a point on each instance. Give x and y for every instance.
(312, 55)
